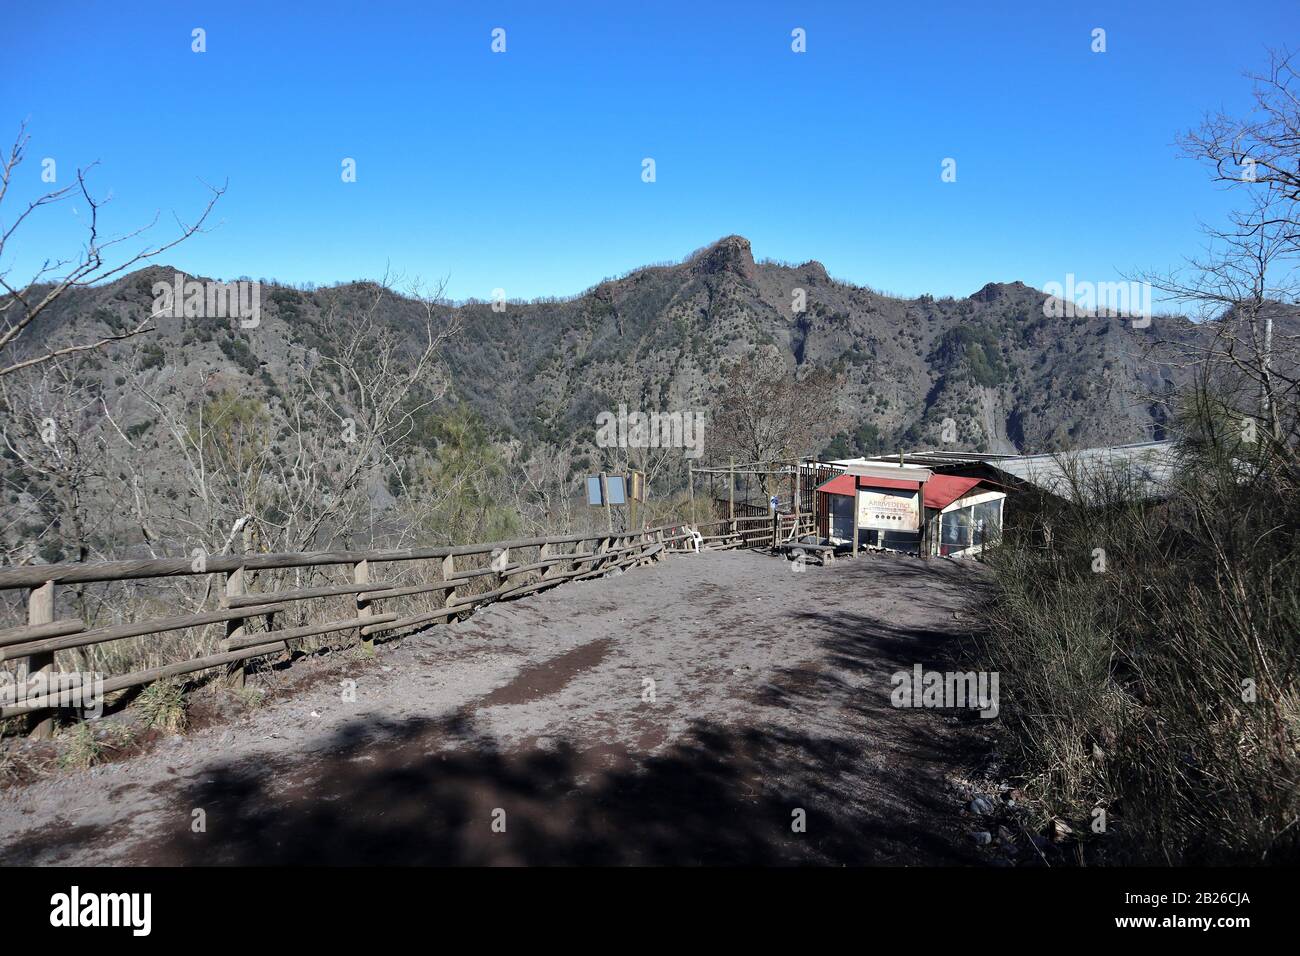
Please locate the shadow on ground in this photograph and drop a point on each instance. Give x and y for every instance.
(425, 792)
(818, 735)
(395, 796)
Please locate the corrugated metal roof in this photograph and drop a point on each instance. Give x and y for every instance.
(934, 459)
(1147, 464)
(876, 470)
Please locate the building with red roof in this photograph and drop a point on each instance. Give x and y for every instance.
(911, 509)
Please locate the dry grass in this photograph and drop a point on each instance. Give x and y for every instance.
(81, 748)
(248, 697)
(1129, 689)
(163, 705)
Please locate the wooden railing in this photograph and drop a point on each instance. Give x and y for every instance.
(516, 568)
(757, 531)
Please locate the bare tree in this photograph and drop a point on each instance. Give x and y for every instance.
(372, 390)
(768, 412)
(22, 302)
(1241, 283)
(1246, 277)
(304, 469)
(54, 430)
(1260, 151)
(546, 490)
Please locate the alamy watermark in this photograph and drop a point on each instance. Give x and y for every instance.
(1130, 300)
(79, 690)
(129, 910)
(953, 689)
(624, 429)
(192, 298)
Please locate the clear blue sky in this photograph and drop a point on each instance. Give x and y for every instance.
(523, 170)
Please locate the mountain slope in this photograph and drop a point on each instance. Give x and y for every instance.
(1008, 376)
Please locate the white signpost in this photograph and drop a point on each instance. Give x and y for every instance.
(881, 507)
(888, 510)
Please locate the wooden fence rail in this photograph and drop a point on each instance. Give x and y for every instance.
(757, 531)
(512, 572)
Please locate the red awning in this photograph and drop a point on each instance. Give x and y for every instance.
(843, 485)
(940, 490)
(839, 485)
(943, 490)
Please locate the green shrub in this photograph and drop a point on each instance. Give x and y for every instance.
(162, 705)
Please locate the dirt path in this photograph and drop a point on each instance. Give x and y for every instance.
(771, 695)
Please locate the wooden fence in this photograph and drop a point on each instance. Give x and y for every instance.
(758, 529)
(750, 524)
(515, 568)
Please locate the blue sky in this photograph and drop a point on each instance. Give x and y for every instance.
(522, 170)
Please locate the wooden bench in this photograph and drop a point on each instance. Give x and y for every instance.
(825, 552)
(723, 542)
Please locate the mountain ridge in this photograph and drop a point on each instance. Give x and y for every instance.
(1009, 377)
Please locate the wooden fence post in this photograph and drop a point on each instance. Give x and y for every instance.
(731, 492)
(798, 493)
(501, 575)
(690, 489)
(604, 496)
(361, 575)
(234, 627)
(40, 610)
(449, 572)
(855, 518)
(922, 549)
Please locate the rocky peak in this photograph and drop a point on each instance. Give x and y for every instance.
(997, 290)
(730, 254)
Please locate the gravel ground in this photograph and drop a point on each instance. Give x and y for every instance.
(769, 704)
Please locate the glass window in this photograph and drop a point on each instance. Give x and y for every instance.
(841, 516)
(901, 540)
(986, 521)
(955, 529)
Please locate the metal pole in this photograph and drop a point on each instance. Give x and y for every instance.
(604, 496)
